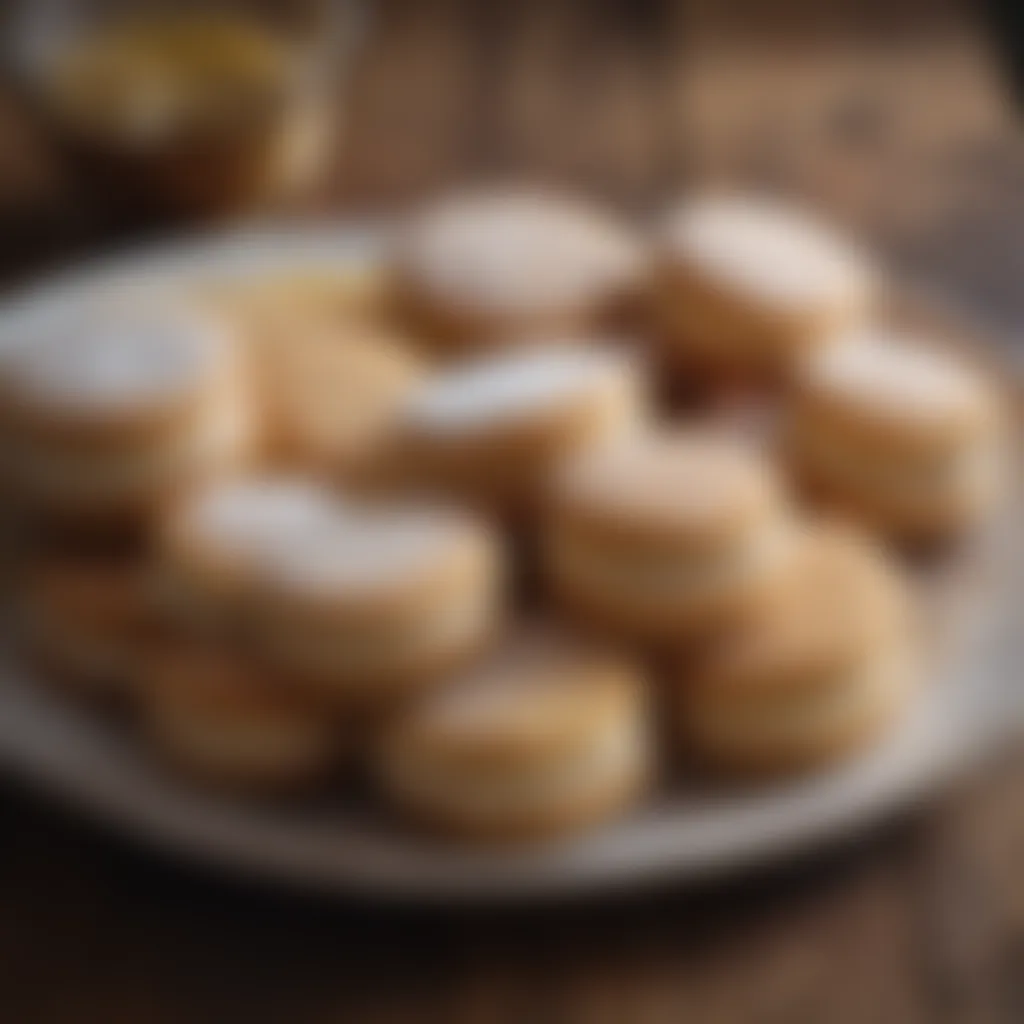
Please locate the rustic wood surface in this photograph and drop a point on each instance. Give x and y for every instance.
(894, 120)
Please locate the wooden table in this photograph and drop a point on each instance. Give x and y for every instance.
(895, 122)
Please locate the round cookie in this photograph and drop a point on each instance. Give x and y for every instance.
(220, 718)
(668, 537)
(87, 619)
(329, 397)
(108, 409)
(813, 678)
(382, 603)
(743, 286)
(494, 431)
(547, 736)
(269, 305)
(901, 435)
(509, 267)
(214, 548)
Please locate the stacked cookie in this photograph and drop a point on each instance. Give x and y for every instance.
(810, 677)
(668, 537)
(494, 431)
(545, 734)
(746, 287)
(904, 438)
(87, 618)
(509, 268)
(208, 701)
(110, 408)
(357, 595)
(226, 720)
(343, 607)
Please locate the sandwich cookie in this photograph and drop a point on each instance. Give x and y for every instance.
(492, 432)
(88, 620)
(510, 267)
(547, 736)
(216, 547)
(668, 537)
(329, 397)
(902, 436)
(745, 287)
(108, 410)
(814, 678)
(384, 602)
(220, 718)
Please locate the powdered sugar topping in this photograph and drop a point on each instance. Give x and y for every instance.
(369, 548)
(673, 478)
(894, 372)
(514, 251)
(769, 252)
(509, 387)
(115, 358)
(264, 515)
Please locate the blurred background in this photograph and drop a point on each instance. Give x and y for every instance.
(895, 116)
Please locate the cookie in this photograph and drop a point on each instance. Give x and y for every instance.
(87, 619)
(512, 267)
(668, 537)
(493, 432)
(269, 305)
(746, 287)
(218, 717)
(813, 678)
(547, 736)
(901, 435)
(215, 547)
(382, 603)
(329, 398)
(110, 408)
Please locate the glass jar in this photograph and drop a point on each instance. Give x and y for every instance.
(188, 110)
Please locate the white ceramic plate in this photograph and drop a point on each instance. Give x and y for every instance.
(92, 763)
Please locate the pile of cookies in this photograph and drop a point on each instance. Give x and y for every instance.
(484, 526)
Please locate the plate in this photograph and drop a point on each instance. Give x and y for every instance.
(92, 763)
